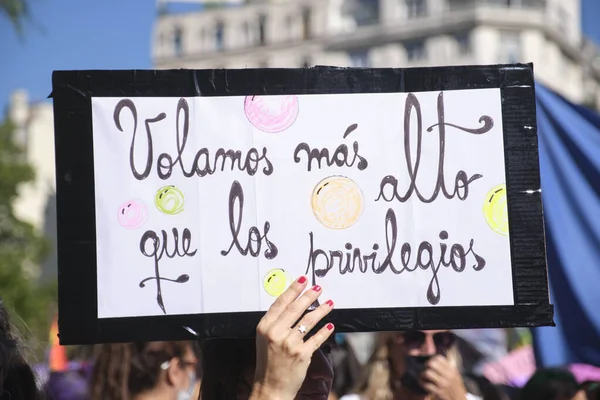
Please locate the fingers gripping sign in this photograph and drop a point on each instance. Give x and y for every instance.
(282, 353)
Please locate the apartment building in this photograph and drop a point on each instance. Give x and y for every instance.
(386, 33)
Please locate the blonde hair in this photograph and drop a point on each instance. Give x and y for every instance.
(376, 382)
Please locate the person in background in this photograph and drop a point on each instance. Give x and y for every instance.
(346, 366)
(413, 365)
(17, 380)
(552, 384)
(198, 372)
(486, 389)
(281, 363)
(592, 389)
(65, 381)
(144, 371)
(70, 384)
(479, 347)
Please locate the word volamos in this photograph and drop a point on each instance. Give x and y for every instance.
(202, 164)
(423, 256)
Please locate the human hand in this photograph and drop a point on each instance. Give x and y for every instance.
(282, 355)
(443, 380)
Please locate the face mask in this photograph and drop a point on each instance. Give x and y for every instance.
(189, 392)
(415, 366)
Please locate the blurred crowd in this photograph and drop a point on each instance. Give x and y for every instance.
(365, 366)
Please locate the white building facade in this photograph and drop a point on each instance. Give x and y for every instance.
(385, 33)
(36, 204)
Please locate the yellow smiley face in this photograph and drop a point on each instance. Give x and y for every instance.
(276, 281)
(495, 210)
(337, 202)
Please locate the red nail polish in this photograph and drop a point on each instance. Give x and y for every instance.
(302, 279)
(316, 288)
(329, 303)
(329, 326)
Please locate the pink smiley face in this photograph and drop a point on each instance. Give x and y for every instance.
(271, 114)
(132, 214)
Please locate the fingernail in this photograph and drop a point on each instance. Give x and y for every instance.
(329, 326)
(316, 288)
(302, 279)
(329, 303)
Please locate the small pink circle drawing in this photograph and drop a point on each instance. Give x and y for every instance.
(271, 114)
(132, 214)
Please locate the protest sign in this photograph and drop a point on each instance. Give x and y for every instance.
(189, 200)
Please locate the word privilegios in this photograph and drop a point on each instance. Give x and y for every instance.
(353, 260)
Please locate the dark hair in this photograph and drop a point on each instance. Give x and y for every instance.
(551, 384)
(196, 349)
(17, 380)
(346, 368)
(125, 370)
(223, 363)
(486, 389)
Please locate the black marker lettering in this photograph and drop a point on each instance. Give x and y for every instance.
(202, 165)
(126, 103)
(255, 239)
(340, 156)
(461, 181)
(321, 262)
(156, 252)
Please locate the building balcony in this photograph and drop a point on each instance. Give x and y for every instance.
(453, 16)
(335, 25)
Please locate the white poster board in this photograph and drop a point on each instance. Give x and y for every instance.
(406, 209)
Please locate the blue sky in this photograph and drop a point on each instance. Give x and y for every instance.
(99, 34)
(74, 34)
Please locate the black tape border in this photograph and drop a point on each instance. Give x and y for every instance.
(72, 93)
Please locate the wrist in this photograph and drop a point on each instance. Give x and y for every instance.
(262, 392)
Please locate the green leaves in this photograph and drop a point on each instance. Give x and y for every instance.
(22, 249)
(13, 166)
(16, 11)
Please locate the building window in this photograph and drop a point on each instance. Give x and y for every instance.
(463, 41)
(178, 41)
(306, 23)
(415, 50)
(564, 66)
(262, 26)
(534, 3)
(219, 36)
(503, 3)
(359, 58)
(510, 47)
(563, 20)
(519, 3)
(202, 37)
(245, 33)
(416, 9)
(460, 5)
(361, 12)
(289, 26)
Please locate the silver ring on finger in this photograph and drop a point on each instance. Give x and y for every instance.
(302, 329)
